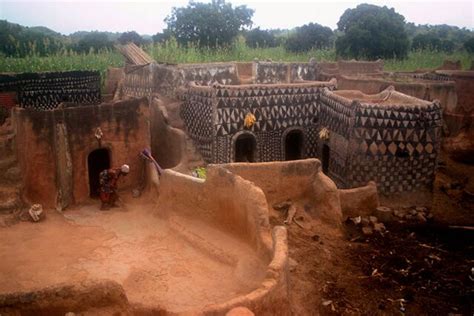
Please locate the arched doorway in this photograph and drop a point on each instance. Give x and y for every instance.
(97, 161)
(325, 158)
(245, 148)
(294, 145)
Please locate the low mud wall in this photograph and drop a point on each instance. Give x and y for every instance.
(65, 298)
(234, 205)
(444, 91)
(279, 180)
(223, 200)
(294, 180)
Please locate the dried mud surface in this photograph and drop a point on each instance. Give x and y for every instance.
(130, 245)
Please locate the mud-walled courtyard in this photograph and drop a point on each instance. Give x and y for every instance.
(256, 188)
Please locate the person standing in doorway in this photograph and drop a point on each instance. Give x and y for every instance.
(108, 185)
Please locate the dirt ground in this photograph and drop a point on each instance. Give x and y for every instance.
(147, 255)
(410, 269)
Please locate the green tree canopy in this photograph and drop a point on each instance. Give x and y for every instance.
(93, 40)
(131, 37)
(372, 32)
(20, 41)
(260, 38)
(310, 36)
(469, 45)
(208, 24)
(433, 42)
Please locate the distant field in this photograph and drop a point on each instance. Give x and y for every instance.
(171, 53)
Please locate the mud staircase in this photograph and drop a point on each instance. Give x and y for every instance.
(10, 172)
(193, 157)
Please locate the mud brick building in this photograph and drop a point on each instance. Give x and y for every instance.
(390, 138)
(285, 121)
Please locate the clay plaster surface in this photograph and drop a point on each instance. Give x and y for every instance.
(147, 255)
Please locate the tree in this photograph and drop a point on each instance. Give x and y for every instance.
(469, 45)
(260, 38)
(372, 32)
(160, 37)
(131, 37)
(208, 24)
(432, 41)
(310, 36)
(93, 40)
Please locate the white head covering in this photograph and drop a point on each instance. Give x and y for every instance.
(125, 168)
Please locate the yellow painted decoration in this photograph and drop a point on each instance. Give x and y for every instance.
(249, 120)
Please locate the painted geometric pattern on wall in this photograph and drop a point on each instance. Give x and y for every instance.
(268, 118)
(398, 131)
(336, 116)
(45, 91)
(274, 108)
(394, 174)
(139, 82)
(196, 112)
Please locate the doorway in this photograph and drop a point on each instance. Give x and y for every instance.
(245, 148)
(97, 161)
(294, 145)
(325, 158)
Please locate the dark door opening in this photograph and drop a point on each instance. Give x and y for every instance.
(245, 148)
(325, 158)
(97, 161)
(294, 145)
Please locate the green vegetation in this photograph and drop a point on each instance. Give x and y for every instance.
(65, 61)
(214, 24)
(427, 59)
(372, 32)
(171, 52)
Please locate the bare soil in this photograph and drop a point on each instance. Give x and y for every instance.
(410, 269)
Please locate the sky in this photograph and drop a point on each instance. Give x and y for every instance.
(146, 16)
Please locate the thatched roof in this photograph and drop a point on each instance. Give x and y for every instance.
(134, 55)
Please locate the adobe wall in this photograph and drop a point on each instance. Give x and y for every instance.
(223, 200)
(53, 147)
(273, 72)
(348, 67)
(150, 79)
(167, 143)
(35, 152)
(395, 145)
(238, 207)
(45, 91)
(214, 117)
(294, 180)
(429, 90)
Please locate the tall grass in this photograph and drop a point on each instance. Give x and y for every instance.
(171, 52)
(427, 59)
(65, 61)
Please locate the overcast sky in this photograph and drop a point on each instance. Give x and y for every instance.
(146, 16)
